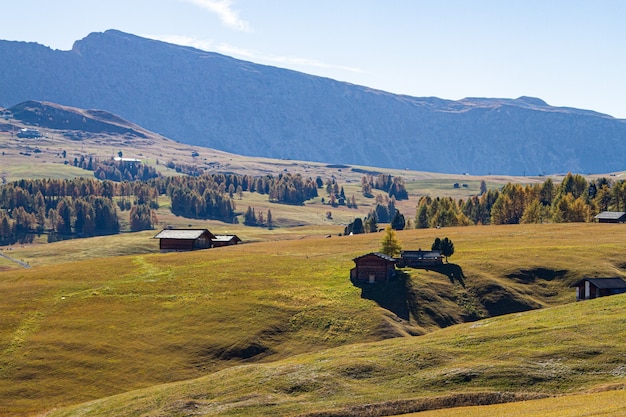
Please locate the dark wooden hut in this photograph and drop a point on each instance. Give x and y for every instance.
(589, 288)
(611, 217)
(171, 240)
(373, 267)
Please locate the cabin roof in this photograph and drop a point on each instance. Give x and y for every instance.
(224, 238)
(182, 234)
(610, 215)
(420, 253)
(378, 254)
(603, 283)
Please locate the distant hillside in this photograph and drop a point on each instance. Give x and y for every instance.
(54, 116)
(211, 100)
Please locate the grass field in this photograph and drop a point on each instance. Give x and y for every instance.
(85, 322)
(606, 404)
(524, 356)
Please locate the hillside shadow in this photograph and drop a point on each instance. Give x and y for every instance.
(396, 295)
(454, 272)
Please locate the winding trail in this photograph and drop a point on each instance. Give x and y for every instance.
(22, 264)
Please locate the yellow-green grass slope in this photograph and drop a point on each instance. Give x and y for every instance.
(558, 351)
(604, 403)
(81, 330)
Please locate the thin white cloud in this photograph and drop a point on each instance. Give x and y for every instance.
(281, 60)
(202, 44)
(302, 64)
(223, 9)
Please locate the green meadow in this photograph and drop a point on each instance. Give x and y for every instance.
(275, 327)
(551, 354)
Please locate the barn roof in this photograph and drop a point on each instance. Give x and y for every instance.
(420, 254)
(378, 254)
(610, 215)
(225, 238)
(603, 283)
(182, 234)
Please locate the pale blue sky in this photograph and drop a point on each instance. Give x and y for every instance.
(567, 52)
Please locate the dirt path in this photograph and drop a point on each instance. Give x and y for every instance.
(20, 263)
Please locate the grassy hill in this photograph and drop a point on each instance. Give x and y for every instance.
(77, 330)
(545, 353)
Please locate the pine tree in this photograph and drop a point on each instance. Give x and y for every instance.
(398, 222)
(270, 222)
(421, 218)
(483, 187)
(445, 246)
(357, 226)
(390, 245)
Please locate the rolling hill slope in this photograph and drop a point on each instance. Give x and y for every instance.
(211, 100)
(511, 358)
(78, 331)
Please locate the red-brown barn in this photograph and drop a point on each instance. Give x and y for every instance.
(171, 240)
(373, 267)
(588, 288)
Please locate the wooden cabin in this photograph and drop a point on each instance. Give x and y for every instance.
(420, 258)
(611, 217)
(172, 240)
(589, 288)
(372, 268)
(225, 240)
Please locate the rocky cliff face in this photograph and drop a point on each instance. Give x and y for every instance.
(212, 100)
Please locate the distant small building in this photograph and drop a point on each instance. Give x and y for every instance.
(28, 133)
(589, 288)
(373, 267)
(420, 258)
(611, 217)
(225, 240)
(171, 240)
(126, 160)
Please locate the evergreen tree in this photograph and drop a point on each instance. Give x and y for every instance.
(142, 217)
(390, 245)
(270, 222)
(421, 218)
(398, 222)
(483, 187)
(249, 219)
(534, 213)
(357, 226)
(371, 225)
(447, 248)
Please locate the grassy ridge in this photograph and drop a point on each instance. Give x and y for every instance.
(81, 330)
(544, 352)
(606, 404)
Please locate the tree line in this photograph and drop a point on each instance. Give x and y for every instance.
(83, 207)
(116, 170)
(574, 200)
(393, 186)
(60, 208)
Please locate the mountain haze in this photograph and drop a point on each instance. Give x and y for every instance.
(207, 99)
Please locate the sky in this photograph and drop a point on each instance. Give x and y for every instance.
(569, 53)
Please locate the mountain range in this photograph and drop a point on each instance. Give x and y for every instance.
(208, 99)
